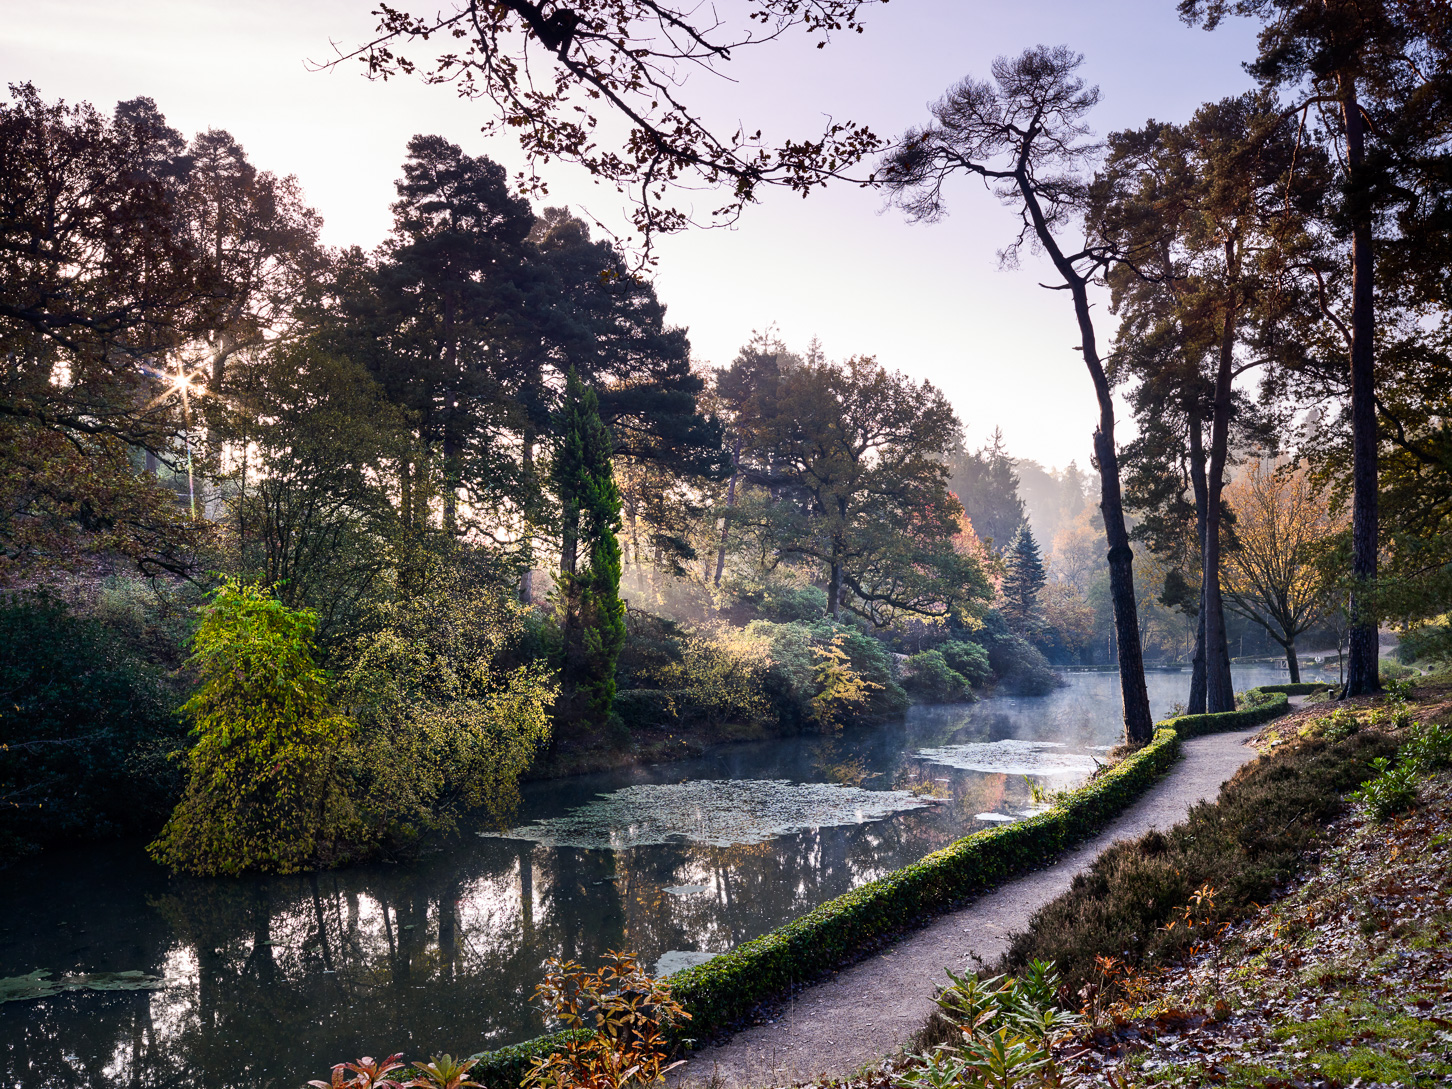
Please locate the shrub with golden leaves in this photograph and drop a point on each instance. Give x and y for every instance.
(627, 1011)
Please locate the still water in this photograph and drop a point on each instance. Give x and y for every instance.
(262, 982)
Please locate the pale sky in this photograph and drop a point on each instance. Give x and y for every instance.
(929, 300)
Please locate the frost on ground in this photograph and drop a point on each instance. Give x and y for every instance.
(712, 812)
(1011, 757)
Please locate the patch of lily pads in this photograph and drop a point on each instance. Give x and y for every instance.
(713, 813)
(1010, 757)
(39, 984)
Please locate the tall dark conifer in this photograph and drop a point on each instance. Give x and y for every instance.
(594, 616)
(1025, 577)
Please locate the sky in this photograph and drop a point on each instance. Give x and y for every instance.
(929, 300)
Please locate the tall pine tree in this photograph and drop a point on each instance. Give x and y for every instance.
(1025, 578)
(594, 616)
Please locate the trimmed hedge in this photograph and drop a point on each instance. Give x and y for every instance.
(506, 1068)
(1188, 726)
(728, 987)
(1300, 688)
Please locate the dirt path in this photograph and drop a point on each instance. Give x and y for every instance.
(867, 1010)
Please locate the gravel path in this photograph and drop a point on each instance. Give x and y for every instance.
(870, 1008)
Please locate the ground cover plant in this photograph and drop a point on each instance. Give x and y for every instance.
(1244, 846)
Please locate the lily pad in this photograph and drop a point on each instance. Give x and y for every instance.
(38, 984)
(676, 960)
(714, 812)
(1010, 757)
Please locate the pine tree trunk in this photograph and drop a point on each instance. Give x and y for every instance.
(1196, 706)
(1138, 723)
(730, 502)
(1219, 689)
(1197, 482)
(1362, 664)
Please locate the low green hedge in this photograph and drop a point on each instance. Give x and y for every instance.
(728, 987)
(1300, 688)
(506, 1068)
(1188, 726)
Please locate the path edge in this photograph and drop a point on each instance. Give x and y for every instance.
(727, 988)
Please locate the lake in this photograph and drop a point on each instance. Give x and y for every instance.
(270, 981)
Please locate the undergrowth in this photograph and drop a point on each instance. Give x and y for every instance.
(1244, 846)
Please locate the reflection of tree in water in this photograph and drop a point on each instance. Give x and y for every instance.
(444, 954)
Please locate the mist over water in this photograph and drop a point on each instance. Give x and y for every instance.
(276, 979)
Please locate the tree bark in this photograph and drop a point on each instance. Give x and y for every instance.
(730, 502)
(1219, 689)
(1138, 724)
(1293, 667)
(1196, 705)
(1197, 483)
(1362, 664)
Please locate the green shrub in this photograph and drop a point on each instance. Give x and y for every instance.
(645, 708)
(1244, 845)
(85, 729)
(1021, 668)
(1429, 748)
(445, 722)
(1392, 670)
(931, 679)
(968, 660)
(1392, 790)
(784, 602)
(1302, 688)
(261, 787)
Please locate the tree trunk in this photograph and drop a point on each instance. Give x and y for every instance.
(1139, 726)
(1197, 666)
(1219, 689)
(1293, 667)
(1362, 665)
(1197, 483)
(730, 502)
(450, 353)
(526, 577)
(834, 590)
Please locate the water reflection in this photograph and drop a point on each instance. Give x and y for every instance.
(270, 981)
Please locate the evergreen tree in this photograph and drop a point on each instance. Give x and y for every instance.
(594, 616)
(1025, 577)
(987, 484)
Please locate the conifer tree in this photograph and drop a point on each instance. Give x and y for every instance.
(1025, 577)
(594, 616)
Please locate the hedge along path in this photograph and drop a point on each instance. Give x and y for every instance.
(725, 990)
(865, 1011)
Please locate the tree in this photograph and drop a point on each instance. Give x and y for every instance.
(1200, 209)
(559, 77)
(1376, 76)
(1024, 133)
(594, 616)
(1281, 521)
(313, 501)
(1024, 579)
(851, 460)
(449, 293)
(261, 788)
(986, 483)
